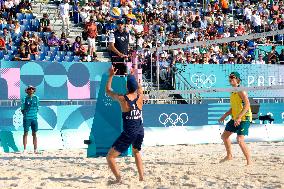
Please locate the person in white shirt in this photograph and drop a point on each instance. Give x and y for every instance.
(124, 9)
(191, 36)
(88, 8)
(256, 22)
(216, 48)
(164, 67)
(138, 28)
(84, 15)
(10, 8)
(227, 33)
(64, 9)
(105, 8)
(259, 61)
(194, 50)
(132, 4)
(16, 2)
(247, 13)
(149, 7)
(148, 44)
(9, 4)
(159, 9)
(140, 42)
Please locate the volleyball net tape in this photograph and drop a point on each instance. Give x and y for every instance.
(216, 90)
(217, 41)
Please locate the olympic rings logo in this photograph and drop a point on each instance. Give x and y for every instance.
(203, 81)
(173, 119)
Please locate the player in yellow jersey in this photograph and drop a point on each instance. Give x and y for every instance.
(241, 117)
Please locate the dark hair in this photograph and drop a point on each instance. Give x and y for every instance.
(132, 84)
(239, 80)
(78, 37)
(131, 90)
(63, 35)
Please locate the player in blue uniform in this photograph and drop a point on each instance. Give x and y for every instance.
(133, 132)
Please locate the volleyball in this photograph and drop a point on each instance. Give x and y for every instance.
(115, 12)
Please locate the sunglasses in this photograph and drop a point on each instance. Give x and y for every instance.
(30, 89)
(232, 77)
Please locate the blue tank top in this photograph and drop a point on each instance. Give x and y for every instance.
(132, 120)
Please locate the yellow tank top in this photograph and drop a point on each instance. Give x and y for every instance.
(237, 106)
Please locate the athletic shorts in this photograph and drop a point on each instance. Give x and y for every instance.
(92, 42)
(27, 123)
(123, 142)
(242, 129)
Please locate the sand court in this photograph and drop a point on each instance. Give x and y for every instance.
(179, 166)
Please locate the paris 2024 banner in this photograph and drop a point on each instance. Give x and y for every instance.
(200, 76)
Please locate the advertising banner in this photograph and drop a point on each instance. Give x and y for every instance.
(200, 76)
(60, 81)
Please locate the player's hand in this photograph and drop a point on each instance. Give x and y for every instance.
(111, 71)
(221, 120)
(123, 56)
(237, 122)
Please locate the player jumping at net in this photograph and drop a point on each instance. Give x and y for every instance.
(241, 117)
(133, 131)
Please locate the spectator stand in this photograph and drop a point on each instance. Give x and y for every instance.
(169, 51)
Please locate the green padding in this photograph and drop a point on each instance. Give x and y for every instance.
(107, 124)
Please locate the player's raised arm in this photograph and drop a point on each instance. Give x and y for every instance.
(108, 85)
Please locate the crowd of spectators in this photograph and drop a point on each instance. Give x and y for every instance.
(174, 22)
(158, 23)
(24, 37)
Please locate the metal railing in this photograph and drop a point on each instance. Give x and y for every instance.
(51, 9)
(185, 86)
